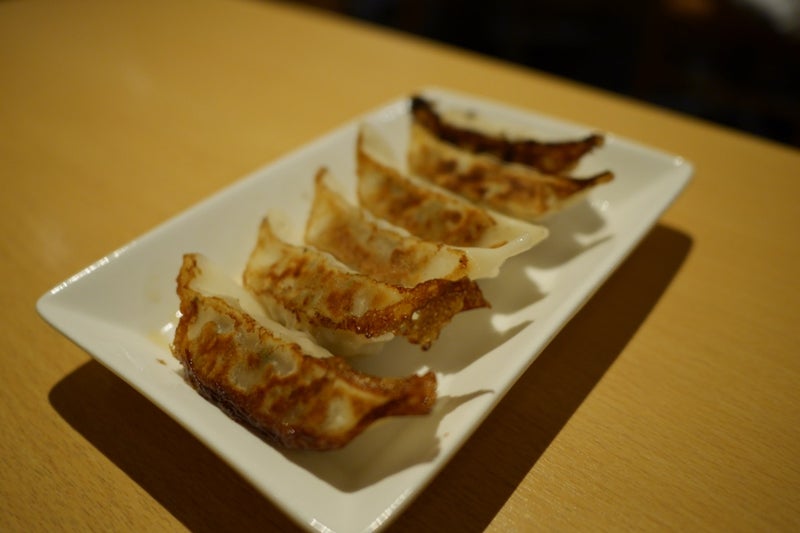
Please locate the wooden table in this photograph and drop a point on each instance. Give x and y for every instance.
(670, 402)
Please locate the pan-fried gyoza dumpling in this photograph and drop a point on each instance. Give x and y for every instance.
(373, 247)
(433, 213)
(347, 312)
(523, 179)
(275, 380)
(388, 253)
(548, 157)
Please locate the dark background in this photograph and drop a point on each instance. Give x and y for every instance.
(721, 60)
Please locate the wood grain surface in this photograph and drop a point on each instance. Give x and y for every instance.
(670, 402)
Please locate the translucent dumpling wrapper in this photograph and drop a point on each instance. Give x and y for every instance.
(278, 381)
(430, 212)
(461, 160)
(347, 312)
(389, 253)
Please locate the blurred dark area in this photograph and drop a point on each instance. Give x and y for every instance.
(733, 62)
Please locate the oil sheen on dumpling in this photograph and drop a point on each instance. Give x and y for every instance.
(484, 177)
(278, 381)
(390, 254)
(430, 212)
(347, 312)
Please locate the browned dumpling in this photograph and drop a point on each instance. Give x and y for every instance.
(547, 157)
(391, 254)
(347, 312)
(278, 381)
(523, 179)
(372, 246)
(433, 213)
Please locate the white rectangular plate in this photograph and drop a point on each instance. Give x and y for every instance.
(122, 310)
